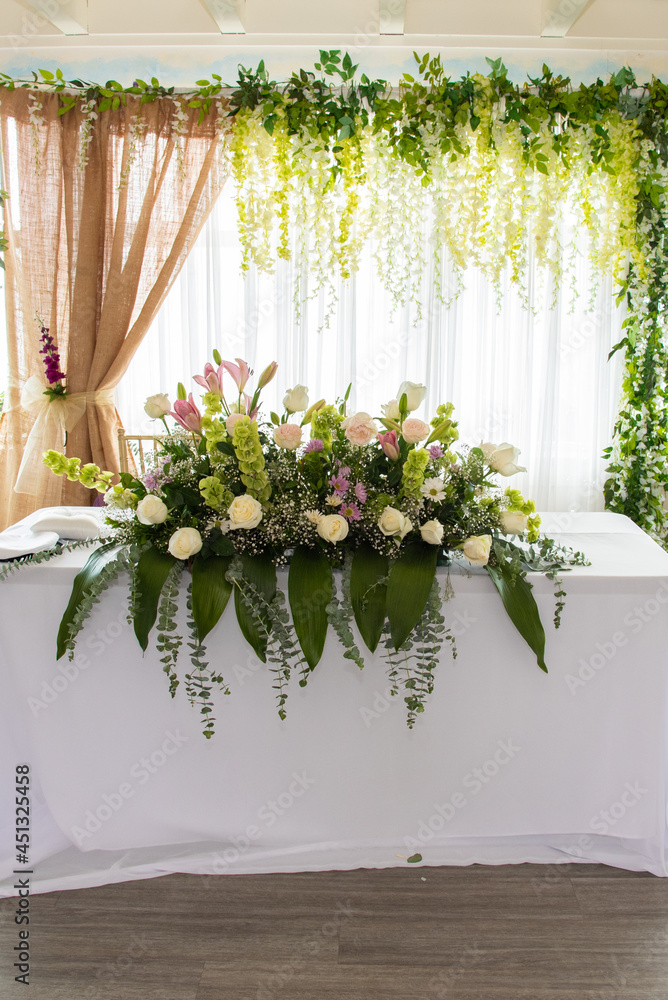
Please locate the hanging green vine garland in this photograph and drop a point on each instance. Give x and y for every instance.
(477, 170)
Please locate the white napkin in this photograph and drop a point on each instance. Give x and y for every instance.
(42, 529)
(68, 525)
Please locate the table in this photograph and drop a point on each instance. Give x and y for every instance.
(507, 765)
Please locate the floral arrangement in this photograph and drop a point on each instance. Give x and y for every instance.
(230, 497)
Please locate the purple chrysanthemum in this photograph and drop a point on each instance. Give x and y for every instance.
(360, 492)
(350, 511)
(315, 444)
(436, 451)
(340, 483)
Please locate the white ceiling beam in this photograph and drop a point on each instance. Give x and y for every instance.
(392, 17)
(227, 15)
(559, 16)
(52, 11)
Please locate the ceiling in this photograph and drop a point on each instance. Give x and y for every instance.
(613, 23)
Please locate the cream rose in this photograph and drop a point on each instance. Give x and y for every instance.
(288, 436)
(184, 543)
(332, 527)
(502, 458)
(296, 400)
(393, 523)
(415, 393)
(476, 549)
(391, 410)
(360, 429)
(415, 430)
(157, 406)
(151, 510)
(513, 523)
(244, 512)
(432, 532)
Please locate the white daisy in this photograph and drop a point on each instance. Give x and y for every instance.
(432, 489)
(313, 516)
(334, 500)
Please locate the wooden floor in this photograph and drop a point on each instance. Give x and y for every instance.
(523, 932)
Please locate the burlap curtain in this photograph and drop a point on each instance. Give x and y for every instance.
(101, 214)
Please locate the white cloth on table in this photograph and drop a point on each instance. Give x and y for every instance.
(42, 529)
(506, 765)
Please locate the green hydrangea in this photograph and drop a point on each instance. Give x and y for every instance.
(213, 431)
(217, 496)
(247, 447)
(412, 476)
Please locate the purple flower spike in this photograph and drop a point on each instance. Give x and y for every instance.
(315, 444)
(436, 451)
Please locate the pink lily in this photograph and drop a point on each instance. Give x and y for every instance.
(186, 413)
(240, 373)
(212, 380)
(388, 443)
(252, 413)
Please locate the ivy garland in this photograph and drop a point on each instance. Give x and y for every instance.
(478, 170)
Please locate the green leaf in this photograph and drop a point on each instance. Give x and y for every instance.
(95, 563)
(414, 859)
(260, 573)
(152, 571)
(367, 596)
(518, 600)
(211, 591)
(410, 580)
(309, 592)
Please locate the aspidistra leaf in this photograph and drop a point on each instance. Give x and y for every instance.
(210, 591)
(260, 574)
(152, 571)
(367, 595)
(408, 586)
(309, 592)
(520, 604)
(83, 581)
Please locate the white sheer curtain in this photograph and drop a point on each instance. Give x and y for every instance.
(537, 377)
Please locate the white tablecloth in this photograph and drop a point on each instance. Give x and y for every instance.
(506, 765)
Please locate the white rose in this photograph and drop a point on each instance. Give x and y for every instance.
(476, 549)
(332, 527)
(432, 532)
(391, 410)
(185, 542)
(393, 523)
(244, 512)
(296, 400)
(502, 458)
(513, 523)
(151, 510)
(157, 406)
(415, 393)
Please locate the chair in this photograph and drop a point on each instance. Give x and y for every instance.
(131, 449)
